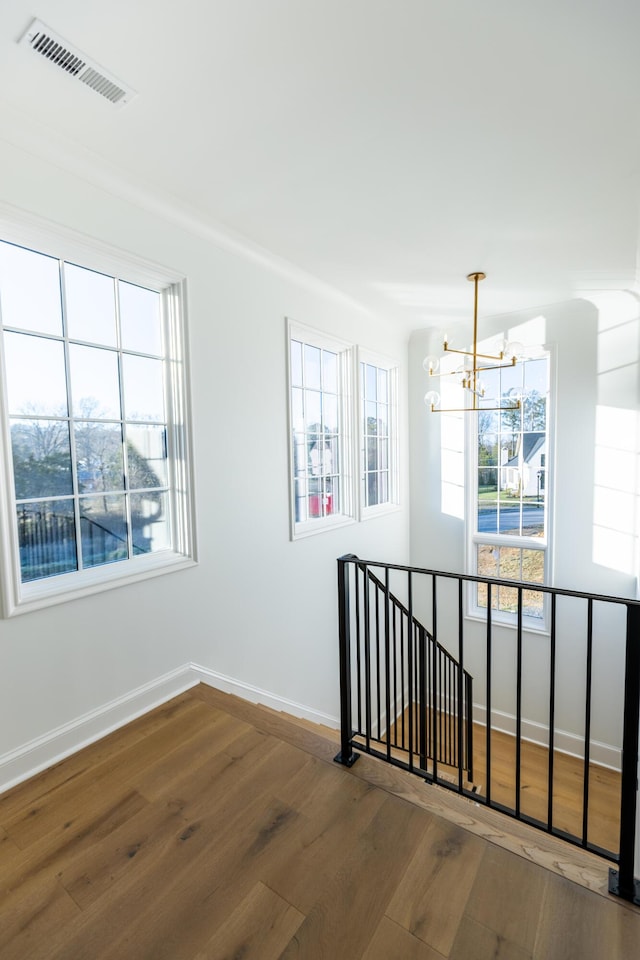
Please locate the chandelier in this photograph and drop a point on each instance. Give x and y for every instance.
(472, 368)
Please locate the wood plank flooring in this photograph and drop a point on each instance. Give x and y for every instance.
(211, 829)
(603, 821)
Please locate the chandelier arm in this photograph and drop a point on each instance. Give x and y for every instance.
(482, 356)
(474, 409)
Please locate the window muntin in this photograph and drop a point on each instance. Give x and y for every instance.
(90, 399)
(319, 425)
(509, 473)
(378, 453)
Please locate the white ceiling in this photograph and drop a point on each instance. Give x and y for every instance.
(387, 147)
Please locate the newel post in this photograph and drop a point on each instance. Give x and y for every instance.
(622, 882)
(346, 757)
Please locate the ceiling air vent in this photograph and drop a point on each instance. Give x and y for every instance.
(48, 44)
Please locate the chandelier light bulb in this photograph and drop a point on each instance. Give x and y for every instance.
(514, 349)
(431, 364)
(432, 398)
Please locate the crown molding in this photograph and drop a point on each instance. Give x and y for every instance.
(45, 144)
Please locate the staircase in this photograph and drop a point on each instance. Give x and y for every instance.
(407, 698)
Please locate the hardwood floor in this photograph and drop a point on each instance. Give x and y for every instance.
(603, 826)
(211, 829)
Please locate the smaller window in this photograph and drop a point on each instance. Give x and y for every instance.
(319, 417)
(378, 435)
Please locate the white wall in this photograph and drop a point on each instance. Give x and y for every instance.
(258, 608)
(595, 490)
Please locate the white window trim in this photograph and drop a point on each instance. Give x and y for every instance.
(65, 244)
(472, 538)
(393, 504)
(345, 351)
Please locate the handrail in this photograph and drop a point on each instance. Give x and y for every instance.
(362, 631)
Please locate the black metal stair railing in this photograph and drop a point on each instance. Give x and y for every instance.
(407, 697)
(413, 700)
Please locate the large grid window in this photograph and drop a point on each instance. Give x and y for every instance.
(378, 435)
(95, 460)
(510, 454)
(319, 419)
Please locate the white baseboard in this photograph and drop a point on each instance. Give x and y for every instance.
(44, 751)
(256, 695)
(603, 754)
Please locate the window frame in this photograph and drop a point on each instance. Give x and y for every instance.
(65, 244)
(392, 504)
(475, 538)
(345, 352)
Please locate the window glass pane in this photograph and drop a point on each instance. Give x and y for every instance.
(509, 519)
(99, 456)
(383, 454)
(149, 522)
(487, 516)
(35, 375)
(371, 384)
(383, 377)
(487, 560)
(299, 455)
(533, 565)
(296, 363)
(507, 599)
(140, 318)
(383, 419)
(384, 487)
(313, 415)
(510, 379)
(372, 489)
(371, 417)
(334, 450)
(330, 411)
(534, 412)
(103, 530)
(143, 388)
(536, 376)
(30, 290)
(532, 519)
(329, 371)
(511, 420)
(321, 459)
(491, 381)
(372, 453)
(41, 458)
(509, 563)
(297, 409)
(146, 457)
(95, 388)
(532, 603)
(91, 305)
(301, 503)
(488, 423)
(311, 367)
(47, 539)
(488, 451)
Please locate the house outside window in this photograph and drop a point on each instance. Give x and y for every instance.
(510, 506)
(319, 431)
(95, 442)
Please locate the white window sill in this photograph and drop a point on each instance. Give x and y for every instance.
(51, 590)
